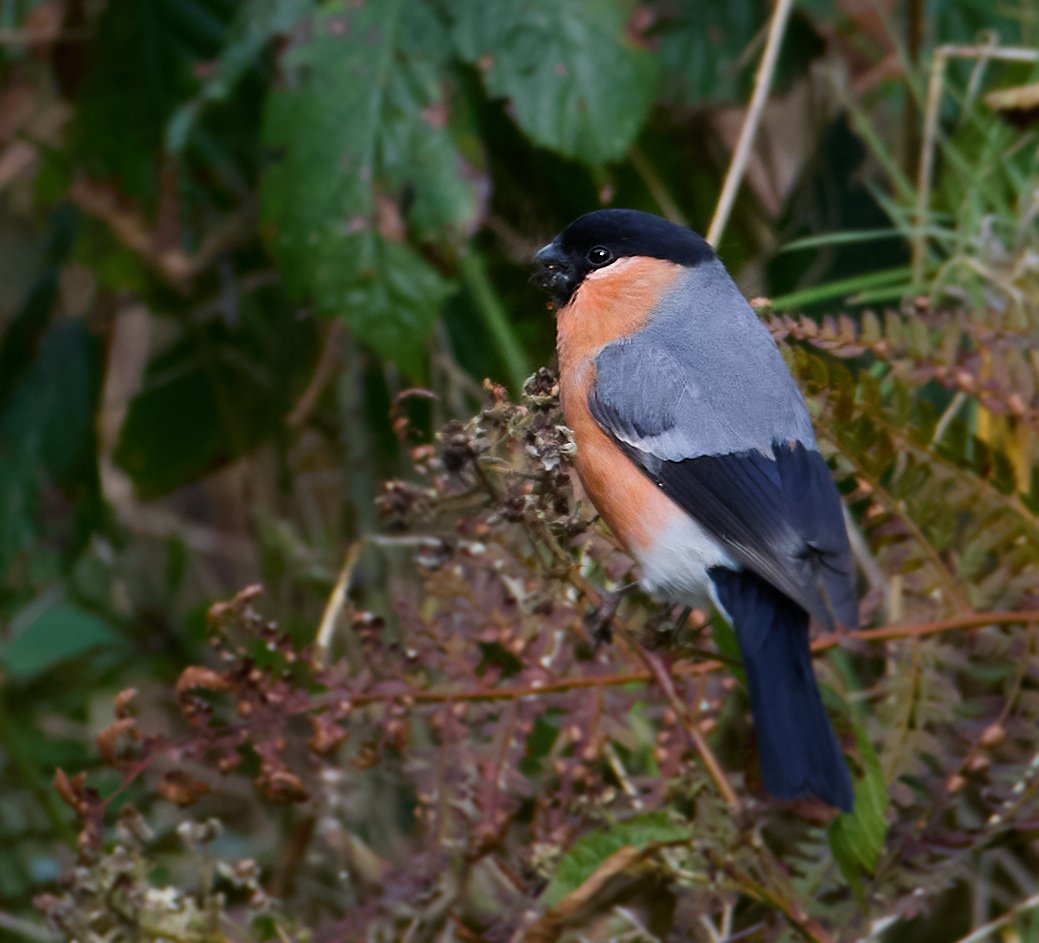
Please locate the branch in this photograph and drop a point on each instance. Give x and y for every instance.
(708, 666)
(973, 620)
(130, 227)
(740, 157)
(660, 674)
(324, 373)
(804, 924)
(410, 697)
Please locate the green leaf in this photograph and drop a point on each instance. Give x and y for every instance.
(542, 738)
(574, 79)
(47, 426)
(173, 431)
(591, 850)
(702, 50)
(368, 157)
(896, 279)
(51, 411)
(257, 23)
(22, 333)
(60, 633)
(857, 837)
(142, 63)
(213, 396)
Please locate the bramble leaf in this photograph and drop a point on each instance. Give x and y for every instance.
(60, 633)
(256, 24)
(140, 69)
(574, 79)
(702, 50)
(368, 159)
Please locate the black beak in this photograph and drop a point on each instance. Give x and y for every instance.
(554, 273)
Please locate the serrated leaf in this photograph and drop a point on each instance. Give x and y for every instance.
(702, 50)
(256, 24)
(857, 837)
(60, 633)
(142, 63)
(574, 79)
(47, 424)
(590, 851)
(51, 413)
(388, 295)
(367, 157)
(210, 398)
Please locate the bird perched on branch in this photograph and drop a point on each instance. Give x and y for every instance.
(695, 446)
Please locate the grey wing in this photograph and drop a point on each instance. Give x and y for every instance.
(737, 393)
(678, 404)
(742, 466)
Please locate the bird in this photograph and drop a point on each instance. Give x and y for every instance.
(695, 446)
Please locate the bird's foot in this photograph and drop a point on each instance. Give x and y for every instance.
(663, 630)
(599, 622)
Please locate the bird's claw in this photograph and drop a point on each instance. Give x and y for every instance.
(599, 622)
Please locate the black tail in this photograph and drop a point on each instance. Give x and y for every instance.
(797, 749)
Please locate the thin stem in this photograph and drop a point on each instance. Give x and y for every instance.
(657, 188)
(495, 319)
(942, 55)
(889, 633)
(803, 923)
(324, 374)
(336, 603)
(481, 694)
(664, 681)
(942, 425)
(25, 929)
(741, 156)
(824, 643)
(926, 165)
(984, 932)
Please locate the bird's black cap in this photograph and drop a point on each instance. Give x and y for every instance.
(596, 239)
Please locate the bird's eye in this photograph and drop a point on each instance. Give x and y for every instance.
(599, 256)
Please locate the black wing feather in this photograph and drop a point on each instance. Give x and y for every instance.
(814, 507)
(757, 508)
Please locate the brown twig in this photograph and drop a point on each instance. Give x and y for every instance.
(336, 602)
(762, 86)
(664, 681)
(618, 679)
(806, 925)
(507, 740)
(480, 694)
(888, 633)
(324, 372)
(130, 227)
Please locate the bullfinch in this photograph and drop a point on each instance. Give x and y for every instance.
(694, 444)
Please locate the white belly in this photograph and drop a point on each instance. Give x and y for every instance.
(675, 565)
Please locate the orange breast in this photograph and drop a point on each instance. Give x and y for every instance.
(612, 303)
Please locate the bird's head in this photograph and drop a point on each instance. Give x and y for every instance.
(599, 239)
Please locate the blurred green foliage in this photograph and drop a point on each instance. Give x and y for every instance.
(232, 234)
